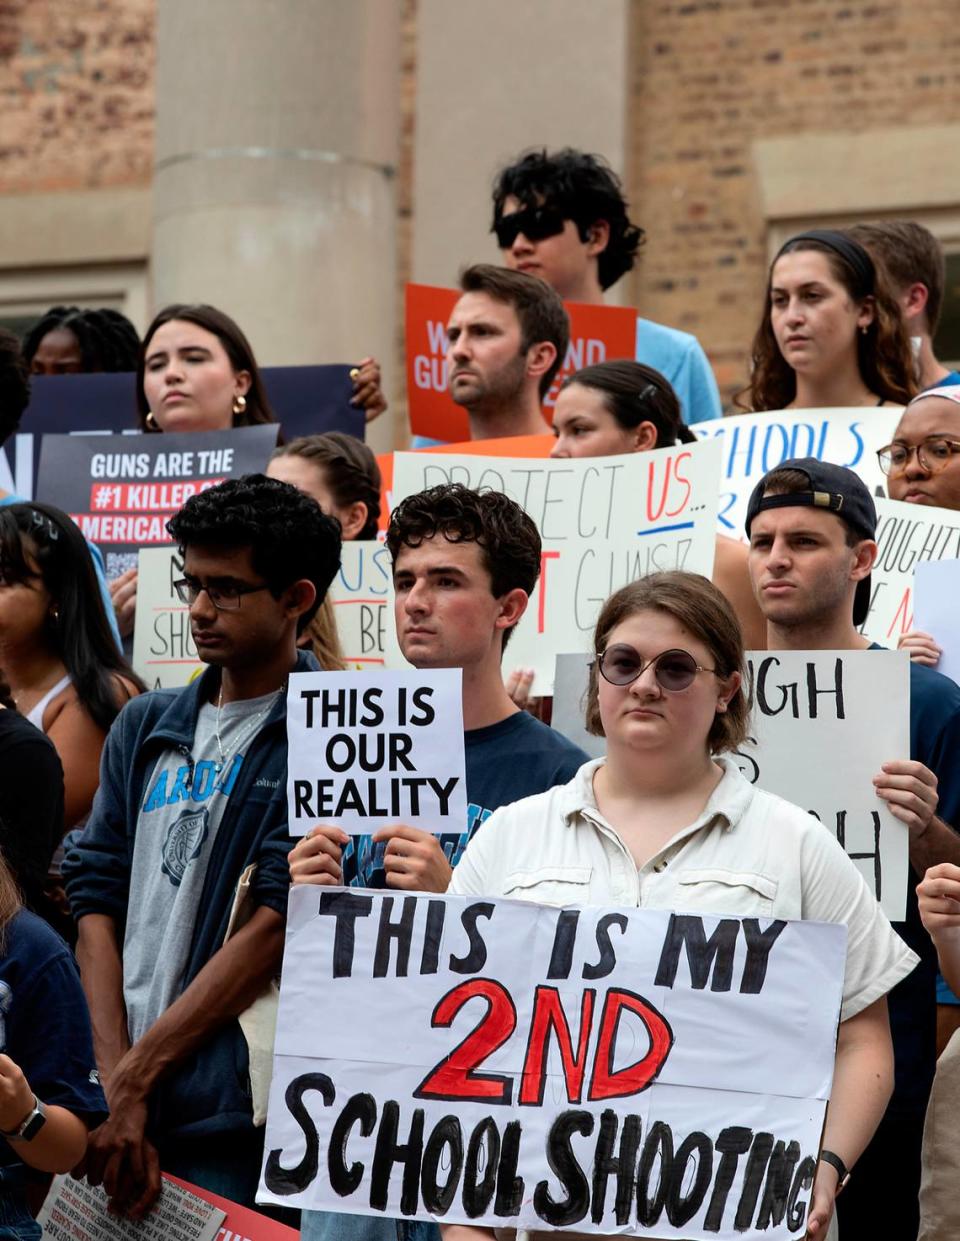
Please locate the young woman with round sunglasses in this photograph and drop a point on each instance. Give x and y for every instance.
(667, 821)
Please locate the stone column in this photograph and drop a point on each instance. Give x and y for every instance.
(276, 148)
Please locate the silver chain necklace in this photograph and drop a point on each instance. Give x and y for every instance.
(247, 734)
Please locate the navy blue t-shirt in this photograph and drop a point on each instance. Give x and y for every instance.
(515, 758)
(935, 742)
(44, 1022)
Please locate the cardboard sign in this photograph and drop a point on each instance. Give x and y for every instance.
(513, 1065)
(122, 489)
(604, 521)
(362, 597)
(937, 590)
(597, 334)
(369, 749)
(907, 535)
(76, 1211)
(164, 653)
(755, 443)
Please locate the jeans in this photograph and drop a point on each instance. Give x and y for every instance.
(332, 1226)
(16, 1222)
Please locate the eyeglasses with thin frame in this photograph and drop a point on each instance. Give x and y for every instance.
(536, 224)
(933, 455)
(674, 670)
(224, 598)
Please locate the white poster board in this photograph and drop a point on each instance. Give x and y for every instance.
(937, 610)
(362, 597)
(907, 534)
(370, 749)
(164, 653)
(755, 443)
(484, 1061)
(604, 522)
(76, 1211)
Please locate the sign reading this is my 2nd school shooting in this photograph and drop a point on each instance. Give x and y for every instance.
(603, 522)
(597, 334)
(518, 1066)
(370, 749)
(122, 489)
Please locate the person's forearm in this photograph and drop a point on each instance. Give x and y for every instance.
(59, 1145)
(938, 843)
(466, 1232)
(229, 983)
(101, 970)
(947, 943)
(862, 1082)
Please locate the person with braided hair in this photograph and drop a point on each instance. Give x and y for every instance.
(69, 340)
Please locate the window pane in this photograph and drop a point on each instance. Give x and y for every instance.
(947, 342)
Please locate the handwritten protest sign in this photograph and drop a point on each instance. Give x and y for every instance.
(76, 1211)
(570, 684)
(604, 521)
(121, 489)
(937, 590)
(907, 535)
(593, 1069)
(163, 649)
(755, 443)
(597, 333)
(362, 597)
(367, 749)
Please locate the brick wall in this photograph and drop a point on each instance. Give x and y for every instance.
(76, 94)
(710, 77)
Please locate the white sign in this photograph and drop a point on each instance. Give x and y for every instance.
(163, 649)
(76, 1211)
(907, 534)
(362, 597)
(755, 443)
(935, 613)
(604, 522)
(513, 1065)
(570, 684)
(370, 749)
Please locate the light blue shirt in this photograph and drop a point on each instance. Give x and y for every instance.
(679, 357)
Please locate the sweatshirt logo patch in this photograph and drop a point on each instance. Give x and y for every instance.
(184, 843)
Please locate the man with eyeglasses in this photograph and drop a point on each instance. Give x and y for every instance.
(562, 216)
(189, 820)
(812, 545)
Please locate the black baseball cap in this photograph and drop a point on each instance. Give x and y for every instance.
(836, 490)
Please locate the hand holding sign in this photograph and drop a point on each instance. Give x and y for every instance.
(910, 791)
(413, 860)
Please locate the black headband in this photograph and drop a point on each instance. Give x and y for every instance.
(849, 250)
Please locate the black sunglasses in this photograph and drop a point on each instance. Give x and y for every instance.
(674, 670)
(536, 224)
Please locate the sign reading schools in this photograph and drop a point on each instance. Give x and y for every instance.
(368, 749)
(513, 1065)
(597, 333)
(122, 489)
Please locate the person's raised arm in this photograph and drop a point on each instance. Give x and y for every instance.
(910, 791)
(938, 894)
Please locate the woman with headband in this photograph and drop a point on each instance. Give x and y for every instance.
(831, 334)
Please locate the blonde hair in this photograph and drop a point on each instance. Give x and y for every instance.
(324, 639)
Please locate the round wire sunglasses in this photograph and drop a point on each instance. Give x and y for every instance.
(674, 670)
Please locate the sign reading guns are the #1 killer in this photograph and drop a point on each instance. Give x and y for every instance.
(512, 1065)
(122, 489)
(369, 749)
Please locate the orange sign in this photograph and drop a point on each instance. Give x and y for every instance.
(597, 334)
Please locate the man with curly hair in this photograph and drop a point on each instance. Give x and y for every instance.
(192, 798)
(561, 215)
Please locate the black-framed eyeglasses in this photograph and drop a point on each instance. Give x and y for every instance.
(933, 455)
(536, 224)
(225, 598)
(674, 670)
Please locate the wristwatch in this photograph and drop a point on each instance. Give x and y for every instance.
(836, 1162)
(30, 1126)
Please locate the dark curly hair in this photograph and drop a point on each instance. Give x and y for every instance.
(108, 340)
(634, 393)
(507, 536)
(14, 384)
(585, 189)
(238, 350)
(289, 537)
(349, 470)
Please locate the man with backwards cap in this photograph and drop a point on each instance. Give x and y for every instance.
(811, 527)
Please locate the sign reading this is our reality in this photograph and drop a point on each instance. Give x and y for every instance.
(513, 1065)
(603, 522)
(369, 749)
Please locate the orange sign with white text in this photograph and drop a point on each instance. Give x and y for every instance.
(597, 334)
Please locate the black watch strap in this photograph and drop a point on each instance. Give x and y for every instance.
(843, 1172)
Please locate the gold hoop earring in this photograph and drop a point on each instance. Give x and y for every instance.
(151, 422)
(239, 404)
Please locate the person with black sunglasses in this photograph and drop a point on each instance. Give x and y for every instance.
(561, 215)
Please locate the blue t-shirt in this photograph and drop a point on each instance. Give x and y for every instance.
(679, 357)
(44, 1023)
(935, 742)
(506, 761)
(950, 380)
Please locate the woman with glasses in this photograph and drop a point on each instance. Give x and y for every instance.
(667, 821)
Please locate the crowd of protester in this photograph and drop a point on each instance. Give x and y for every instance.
(135, 823)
